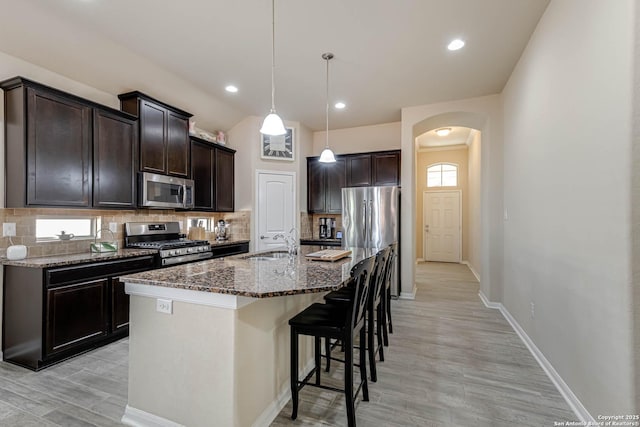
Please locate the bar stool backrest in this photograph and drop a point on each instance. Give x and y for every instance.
(361, 275)
(393, 252)
(379, 277)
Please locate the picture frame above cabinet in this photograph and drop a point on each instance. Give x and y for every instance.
(163, 132)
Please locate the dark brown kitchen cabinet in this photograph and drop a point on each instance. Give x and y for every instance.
(119, 306)
(76, 314)
(359, 170)
(65, 151)
(212, 170)
(48, 146)
(50, 314)
(163, 132)
(324, 185)
(115, 137)
(378, 168)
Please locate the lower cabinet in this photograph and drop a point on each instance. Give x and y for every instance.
(50, 314)
(76, 314)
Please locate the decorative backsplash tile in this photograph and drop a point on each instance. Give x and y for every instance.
(25, 220)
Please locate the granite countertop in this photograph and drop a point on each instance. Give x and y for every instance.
(250, 277)
(81, 258)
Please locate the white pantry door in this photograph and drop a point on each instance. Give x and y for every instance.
(275, 202)
(442, 225)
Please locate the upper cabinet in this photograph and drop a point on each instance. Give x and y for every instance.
(325, 181)
(61, 149)
(324, 185)
(373, 169)
(164, 134)
(212, 170)
(115, 138)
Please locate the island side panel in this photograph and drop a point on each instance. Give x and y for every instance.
(181, 365)
(262, 356)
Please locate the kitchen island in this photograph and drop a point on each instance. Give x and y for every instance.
(221, 354)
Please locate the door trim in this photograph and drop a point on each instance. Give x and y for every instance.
(296, 218)
(424, 239)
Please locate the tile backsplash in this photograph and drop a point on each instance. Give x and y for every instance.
(25, 220)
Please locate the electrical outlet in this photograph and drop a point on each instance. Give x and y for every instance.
(113, 227)
(164, 306)
(533, 310)
(8, 229)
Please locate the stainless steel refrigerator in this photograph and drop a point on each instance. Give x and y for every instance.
(371, 219)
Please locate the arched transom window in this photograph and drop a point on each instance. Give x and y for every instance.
(442, 175)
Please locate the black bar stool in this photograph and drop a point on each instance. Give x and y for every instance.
(375, 312)
(387, 324)
(333, 322)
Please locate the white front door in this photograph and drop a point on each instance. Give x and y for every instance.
(275, 202)
(442, 226)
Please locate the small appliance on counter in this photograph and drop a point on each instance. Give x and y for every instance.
(222, 230)
(324, 230)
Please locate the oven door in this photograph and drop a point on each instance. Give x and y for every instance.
(161, 191)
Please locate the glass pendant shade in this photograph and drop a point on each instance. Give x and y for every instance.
(327, 156)
(273, 125)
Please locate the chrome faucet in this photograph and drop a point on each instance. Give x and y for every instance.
(290, 240)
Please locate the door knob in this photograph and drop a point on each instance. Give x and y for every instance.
(263, 237)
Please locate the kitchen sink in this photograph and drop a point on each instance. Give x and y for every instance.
(269, 256)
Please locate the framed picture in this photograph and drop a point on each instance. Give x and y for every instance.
(280, 147)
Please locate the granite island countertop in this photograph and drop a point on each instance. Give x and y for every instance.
(80, 258)
(248, 276)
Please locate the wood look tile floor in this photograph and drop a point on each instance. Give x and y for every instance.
(451, 362)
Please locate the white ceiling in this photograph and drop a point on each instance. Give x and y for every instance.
(458, 136)
(388, 54)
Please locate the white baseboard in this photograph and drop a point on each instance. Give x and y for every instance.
(475, 273)
(572, 400)
(137, 418)
(419, 260)
(271, 412)
(408, 295)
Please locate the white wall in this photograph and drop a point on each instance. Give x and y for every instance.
(360, 139)
(567, 175)
(473, 206)
(246, 139)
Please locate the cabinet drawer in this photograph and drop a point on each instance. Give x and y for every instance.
(78, 273)
(228, 250)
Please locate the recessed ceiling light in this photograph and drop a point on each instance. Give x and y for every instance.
(443, 131)
(231, 88)
(456, 44)
(340, 105)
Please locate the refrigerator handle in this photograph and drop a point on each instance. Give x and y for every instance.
(365, 235)
(371, 223)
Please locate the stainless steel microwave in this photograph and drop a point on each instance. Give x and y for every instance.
(164, 192)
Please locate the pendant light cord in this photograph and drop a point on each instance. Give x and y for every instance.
(273, 56)
(327, 106)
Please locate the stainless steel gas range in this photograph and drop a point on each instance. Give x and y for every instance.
(172, 247)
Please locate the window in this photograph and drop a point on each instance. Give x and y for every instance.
(81, 227)
(442, 175)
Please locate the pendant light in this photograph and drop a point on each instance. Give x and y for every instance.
(327, 155)
(272, 124)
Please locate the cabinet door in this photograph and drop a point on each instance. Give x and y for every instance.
(386, 168)
(58, 150)
(119, 306)
(114, 161)
(177, 145)
(359, 170)
(336, 180)
(76, 314)
(224, 181)
(316, 187)
(153, 136)
(202, 175)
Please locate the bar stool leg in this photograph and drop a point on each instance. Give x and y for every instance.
(385, 331)
(363, 369)
(294, 373)
(327, 352)
(316, 346)
(371, 347)
(348, 382)
(379, 327)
